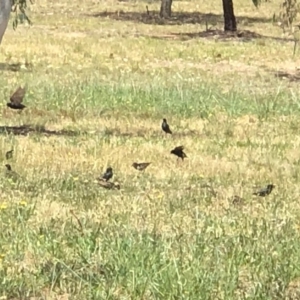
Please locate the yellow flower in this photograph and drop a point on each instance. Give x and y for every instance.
(3, 206)
(160, 195)
(23, 203)
(2, 256)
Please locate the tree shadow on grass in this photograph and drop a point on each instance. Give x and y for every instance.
(26, 129)
(178, 18)
(218, 34)
(115, 132)
(144, 133)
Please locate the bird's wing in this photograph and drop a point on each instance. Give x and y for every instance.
(17, 96)
(167, 128)
(105, 184)
(144, 165)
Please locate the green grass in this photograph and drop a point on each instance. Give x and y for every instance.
(171, 232)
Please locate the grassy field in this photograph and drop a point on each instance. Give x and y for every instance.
(108, 73)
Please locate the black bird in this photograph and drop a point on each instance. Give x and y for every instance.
(16, 98)
(10, 173)
(265, 191)
(140, 166)
(108, 174)
(178, 151)
(9, 154)
(8, 167)
(165, 127)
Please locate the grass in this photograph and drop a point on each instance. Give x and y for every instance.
(171, 232)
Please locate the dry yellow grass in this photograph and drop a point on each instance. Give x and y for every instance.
(113, 81)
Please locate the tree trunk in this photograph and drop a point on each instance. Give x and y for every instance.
(229, 18)
(5, 9)
(166, 8)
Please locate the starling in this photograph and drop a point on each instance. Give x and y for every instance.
(178, 151)
(8, 167)
(140, 166)
(9, 154)
(10, 173)
(109, 185)
(16, 98)
(237, 200)
(265, 191)
(165, 127)
(108, 174)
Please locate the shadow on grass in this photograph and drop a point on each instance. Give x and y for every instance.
(26, 129)
(242, 35)
(144, 133)
(16, 67)
(178, 18)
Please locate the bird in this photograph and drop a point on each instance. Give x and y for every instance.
(178, 151)
(109, 185)
(165, 126)
(10, 173)
(141, 166)
(265, 191)
(16, 98)
(108, 174)
(9, 154)
(8, 167)
(237, 200)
